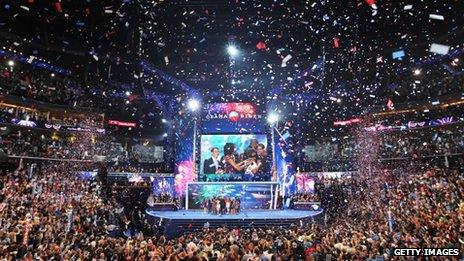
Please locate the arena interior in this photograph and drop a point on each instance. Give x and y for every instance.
(231, 130)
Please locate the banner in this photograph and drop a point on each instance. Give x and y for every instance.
(417, 124)
(232, 117)
(122, 123)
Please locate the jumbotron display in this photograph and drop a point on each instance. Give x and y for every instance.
(235, 157)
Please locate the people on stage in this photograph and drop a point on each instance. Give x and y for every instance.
(221, 205)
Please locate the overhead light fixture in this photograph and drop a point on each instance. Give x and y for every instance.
(232, 50)
(193, 105)
(273, 118)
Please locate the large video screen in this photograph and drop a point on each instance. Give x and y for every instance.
(232, 117)
(255, 195)
(234, 157)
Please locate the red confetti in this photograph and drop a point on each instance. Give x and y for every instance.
(390, 104)
(336, 42)
(370, 2)
(261, 45)
(58, 7)
(133, 97)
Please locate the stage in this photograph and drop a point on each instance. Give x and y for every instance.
(176, 222)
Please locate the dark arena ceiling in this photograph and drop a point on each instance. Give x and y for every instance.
(323, 57)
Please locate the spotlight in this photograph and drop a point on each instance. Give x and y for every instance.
(417, 72)
(128, 93)
(272, 118)
(232, 51)
(193, 105)
(11, 63)
(165, 135)
(52, 75)
(164, 120)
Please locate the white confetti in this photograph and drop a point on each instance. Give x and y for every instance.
(437, 17)
(439, 48)
(407, 7)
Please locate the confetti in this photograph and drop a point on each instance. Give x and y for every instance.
(436, 17)
(336, 42)
(58, 7)
(439, 48)
(407, 7)
(398, 55)
(285, 60)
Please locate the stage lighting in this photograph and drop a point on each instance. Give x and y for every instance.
(164, 120)
(11, 63)
(273, 118)
(193, 105)
(165, 135)
(52, 75)
(417, 72)
(128, 93)
(232, 50)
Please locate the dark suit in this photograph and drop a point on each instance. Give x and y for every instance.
(209, 167)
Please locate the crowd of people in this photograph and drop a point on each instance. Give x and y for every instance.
(221, 205)
(76, 146)
(438, 82)
(64, 146)
(46, 86)
(304, 197)
(49, 213)
(41, 119)
(162, 198)
(145, 168)
(424, 142)
(52, 214)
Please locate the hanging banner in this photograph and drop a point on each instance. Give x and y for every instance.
(232, 117)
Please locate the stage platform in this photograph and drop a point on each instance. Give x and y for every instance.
(177, 222)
